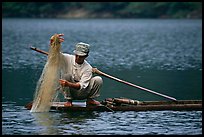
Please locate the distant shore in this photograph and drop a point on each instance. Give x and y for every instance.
(82, 13)
(167, 10)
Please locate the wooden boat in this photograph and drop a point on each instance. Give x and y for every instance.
(124, 104)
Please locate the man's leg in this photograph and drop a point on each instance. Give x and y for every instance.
(66, 90)
(94, 88)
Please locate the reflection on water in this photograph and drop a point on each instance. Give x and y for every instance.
(20, 121)
(45, 123)
(67, 123)
(16, 120)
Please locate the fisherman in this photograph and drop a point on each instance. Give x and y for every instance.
(78, 82)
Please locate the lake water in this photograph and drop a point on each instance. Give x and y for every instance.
(161, 55)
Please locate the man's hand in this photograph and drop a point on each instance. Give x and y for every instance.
(60, 38)
(63, 82)
(66, 83)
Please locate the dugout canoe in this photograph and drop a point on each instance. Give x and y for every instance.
(124, 104)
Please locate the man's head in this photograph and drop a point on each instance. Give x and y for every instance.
(82, 49)
(81, 52)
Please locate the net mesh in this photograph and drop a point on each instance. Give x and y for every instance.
(48, 88)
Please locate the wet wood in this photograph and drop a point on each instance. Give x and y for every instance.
(143, 106)
(77, 106)
(123, 104)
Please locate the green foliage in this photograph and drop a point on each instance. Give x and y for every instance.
(116, 9)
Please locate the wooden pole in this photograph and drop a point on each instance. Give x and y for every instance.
(95, 70)
(38, 50)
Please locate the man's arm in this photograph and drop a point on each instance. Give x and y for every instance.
(69, 84)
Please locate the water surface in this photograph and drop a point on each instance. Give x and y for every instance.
(162, 55)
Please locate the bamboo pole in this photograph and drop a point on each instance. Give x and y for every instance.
(38, 50)
(95, 70)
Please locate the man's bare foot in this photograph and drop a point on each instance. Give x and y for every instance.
(92, 102)
(68, 104)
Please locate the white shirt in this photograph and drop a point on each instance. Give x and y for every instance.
(81, 73)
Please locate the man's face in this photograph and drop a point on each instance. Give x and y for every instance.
(79, 59)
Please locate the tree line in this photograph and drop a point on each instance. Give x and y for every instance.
(114, 9)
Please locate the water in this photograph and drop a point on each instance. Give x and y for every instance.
(162, 55)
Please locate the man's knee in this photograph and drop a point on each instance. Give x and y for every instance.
(98, 80)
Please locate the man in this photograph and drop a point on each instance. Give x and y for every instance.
(78, 81)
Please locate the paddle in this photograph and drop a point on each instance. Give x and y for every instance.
(95, 70)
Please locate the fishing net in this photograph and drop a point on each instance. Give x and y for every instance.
(48, 87)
